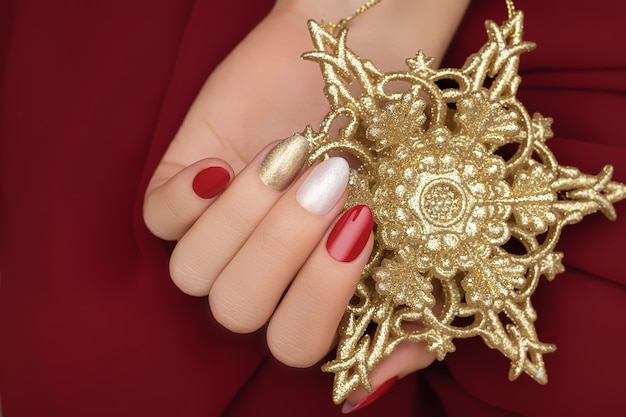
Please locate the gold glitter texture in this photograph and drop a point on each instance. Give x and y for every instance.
(468, 200)
(284, 162)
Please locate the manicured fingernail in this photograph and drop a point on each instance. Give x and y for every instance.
(283, 164)
(347, 408)
(210, 182)
(321, 190)
(350, 234)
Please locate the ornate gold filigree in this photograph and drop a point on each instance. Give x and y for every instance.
(468, 201)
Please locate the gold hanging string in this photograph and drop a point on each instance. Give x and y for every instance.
(335, 27)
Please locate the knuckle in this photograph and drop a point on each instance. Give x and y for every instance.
(187, 275)
(149, 217)
(154, 228)
(278, 245)
(175, 206)
(233, 315)
(291, 349)
(162, 210)
(234, 218)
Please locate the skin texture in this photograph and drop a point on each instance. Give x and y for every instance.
(269, 263)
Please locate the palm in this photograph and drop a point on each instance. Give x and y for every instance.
(262, 92)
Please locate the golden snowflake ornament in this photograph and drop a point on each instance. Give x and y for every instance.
(468, 201)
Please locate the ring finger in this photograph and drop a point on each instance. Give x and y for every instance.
(249, 288)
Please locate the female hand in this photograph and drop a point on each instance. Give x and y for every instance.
(265, 251)
(262, 239)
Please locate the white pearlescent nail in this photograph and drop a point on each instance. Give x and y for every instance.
(321, 190)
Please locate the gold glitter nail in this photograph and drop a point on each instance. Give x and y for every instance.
(282, 165)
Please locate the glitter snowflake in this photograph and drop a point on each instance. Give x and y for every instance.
(468, 200)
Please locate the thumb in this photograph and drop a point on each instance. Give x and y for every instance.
(177, 196)
(407, 358)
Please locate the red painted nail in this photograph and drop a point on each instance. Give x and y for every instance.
(210, 182)
(350, 234)
(376, 394)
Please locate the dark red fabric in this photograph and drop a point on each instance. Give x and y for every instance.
(91, 325)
